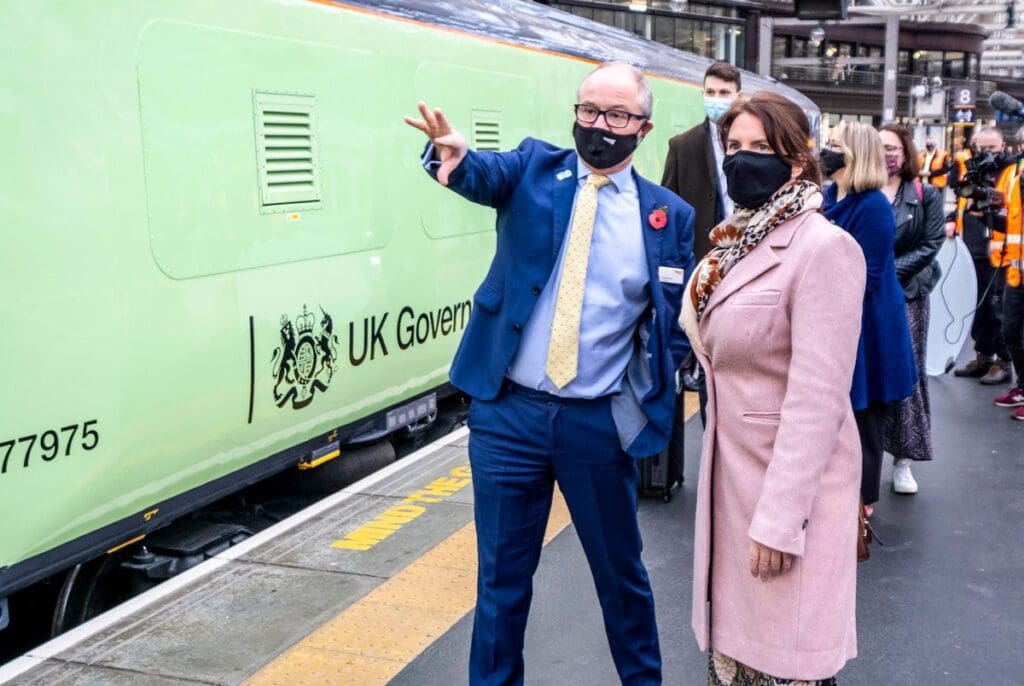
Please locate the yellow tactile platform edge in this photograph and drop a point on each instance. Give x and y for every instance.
(374, 639)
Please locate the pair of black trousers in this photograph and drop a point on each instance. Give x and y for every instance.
(988, 318)
(1013, 328)
(871, 426)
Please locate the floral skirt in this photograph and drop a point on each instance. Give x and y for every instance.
(725, 671)
(908, 425)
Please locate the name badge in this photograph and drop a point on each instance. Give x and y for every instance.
(670, 275)
(563, 175)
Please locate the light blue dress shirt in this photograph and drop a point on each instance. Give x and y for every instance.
(616, 294)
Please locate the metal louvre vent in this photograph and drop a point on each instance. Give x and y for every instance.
(286, 150)
(486, 130)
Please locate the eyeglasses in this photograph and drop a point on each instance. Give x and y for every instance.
(616, 119)
(833, 145)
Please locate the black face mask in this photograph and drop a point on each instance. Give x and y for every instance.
(930, 146)
(603, 149)
(754, 177)
(832, 161)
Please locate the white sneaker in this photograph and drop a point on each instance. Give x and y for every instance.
(902, 479)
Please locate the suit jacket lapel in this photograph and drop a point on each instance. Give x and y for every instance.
(709, 156)
(652, 238)
(563, 191)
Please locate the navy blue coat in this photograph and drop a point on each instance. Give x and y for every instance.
(885, 369)
(533, 188)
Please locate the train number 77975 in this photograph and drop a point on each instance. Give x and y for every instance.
(50, 442)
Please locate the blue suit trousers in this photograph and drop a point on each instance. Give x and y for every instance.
(521, 444)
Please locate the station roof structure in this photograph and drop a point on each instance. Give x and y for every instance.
(1003, 53)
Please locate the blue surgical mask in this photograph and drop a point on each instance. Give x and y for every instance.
(716, 107)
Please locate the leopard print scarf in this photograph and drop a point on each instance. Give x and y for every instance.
(740, 233)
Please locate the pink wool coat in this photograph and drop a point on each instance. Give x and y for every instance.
(781, 457)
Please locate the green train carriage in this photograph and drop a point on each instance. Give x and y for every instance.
(221, 256)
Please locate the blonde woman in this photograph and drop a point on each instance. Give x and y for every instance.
(885, 371)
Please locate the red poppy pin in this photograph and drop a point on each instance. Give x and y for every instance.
(658, 218)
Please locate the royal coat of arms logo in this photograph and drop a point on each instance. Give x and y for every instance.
(305, 361)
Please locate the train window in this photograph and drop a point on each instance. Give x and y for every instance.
(286, 153)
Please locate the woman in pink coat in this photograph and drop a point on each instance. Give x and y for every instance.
(774, 314)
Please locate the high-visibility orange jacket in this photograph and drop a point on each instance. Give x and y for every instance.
(961, 158)
(1004, 249)
(934, 173)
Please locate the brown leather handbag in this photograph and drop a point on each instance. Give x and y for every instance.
(864, 533)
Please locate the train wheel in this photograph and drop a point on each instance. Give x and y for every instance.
(90, 589)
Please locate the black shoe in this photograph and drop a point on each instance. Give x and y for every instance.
(976, 368)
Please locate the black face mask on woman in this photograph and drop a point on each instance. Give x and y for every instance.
(754, 177)
(832, 161)
(603, 149)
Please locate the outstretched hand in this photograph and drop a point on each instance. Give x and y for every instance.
(449, 144)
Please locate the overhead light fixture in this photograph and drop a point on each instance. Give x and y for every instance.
(638, 6)
(677, 5)
(917, 54)
(817, 34)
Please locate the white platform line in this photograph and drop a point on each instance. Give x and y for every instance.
(50, 649)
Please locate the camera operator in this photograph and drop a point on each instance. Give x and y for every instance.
(981, 187)
(1005, 253)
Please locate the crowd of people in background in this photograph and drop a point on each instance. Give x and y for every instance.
(893, 414)
(991, 230)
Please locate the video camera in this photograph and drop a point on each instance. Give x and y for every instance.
(979, 180)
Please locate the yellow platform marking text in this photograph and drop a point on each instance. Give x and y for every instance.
(391, 520)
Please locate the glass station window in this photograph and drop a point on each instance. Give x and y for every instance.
(664, 31)
(722, 40)
(779, 46)
(972, 65)
(684, 34)
(953, 65)
(878, 53)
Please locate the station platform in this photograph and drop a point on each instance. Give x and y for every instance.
(375, 584)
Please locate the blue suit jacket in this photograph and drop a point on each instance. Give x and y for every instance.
(533, 197)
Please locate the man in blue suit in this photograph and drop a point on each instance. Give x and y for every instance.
(570, 357)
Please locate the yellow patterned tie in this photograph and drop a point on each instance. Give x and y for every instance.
(564, 347)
